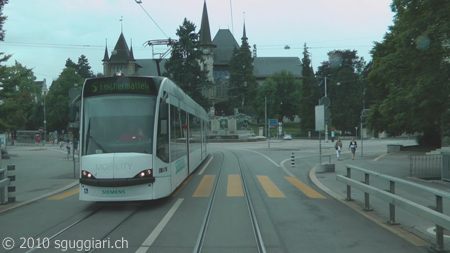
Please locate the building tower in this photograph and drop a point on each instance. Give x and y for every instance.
(121, 61)
(206, 46)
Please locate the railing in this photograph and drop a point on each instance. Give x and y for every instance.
(425, 166)
(436, 216)
(4, 182)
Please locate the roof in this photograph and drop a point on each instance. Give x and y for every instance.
(225, 42)
(264, 67)
(149, 67)
(121, 53)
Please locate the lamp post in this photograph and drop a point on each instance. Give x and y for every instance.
(45, 120)
(326, 120)
(326, 102)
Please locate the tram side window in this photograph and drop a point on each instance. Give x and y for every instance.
(195, 133)
(177, 138)
(162, 145)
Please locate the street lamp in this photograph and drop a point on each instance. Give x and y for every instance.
(327, 103)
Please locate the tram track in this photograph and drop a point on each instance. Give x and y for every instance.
(258, 237)
(67, 229)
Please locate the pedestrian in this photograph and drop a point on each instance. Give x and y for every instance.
(75, 144)
(353, 145)
(68, 146)
(338, 147)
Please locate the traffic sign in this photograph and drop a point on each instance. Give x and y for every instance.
(273, 123)
(41, 130)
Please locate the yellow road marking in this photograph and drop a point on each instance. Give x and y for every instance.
(65, 195)
(270, 188)
(175, 193)
(378, 158)
(234, 186)
(308, 191)
(205, 187)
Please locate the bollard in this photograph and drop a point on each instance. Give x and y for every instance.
(292, 160)
(12, 183)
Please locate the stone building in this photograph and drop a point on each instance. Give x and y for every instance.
(217, 55)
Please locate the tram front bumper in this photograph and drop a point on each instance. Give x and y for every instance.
(117, 182)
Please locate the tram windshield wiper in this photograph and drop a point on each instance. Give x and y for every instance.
(89, 137)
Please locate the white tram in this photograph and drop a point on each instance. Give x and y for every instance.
(140, 138)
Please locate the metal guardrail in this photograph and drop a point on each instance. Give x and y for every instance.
(436, 216)
(4, 182)
(425, 166)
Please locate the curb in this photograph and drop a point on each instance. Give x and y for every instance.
(9, 207)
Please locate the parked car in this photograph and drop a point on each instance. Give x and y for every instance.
(287, 137)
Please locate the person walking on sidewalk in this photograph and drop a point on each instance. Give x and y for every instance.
(68, 147)
(353, 145)
(338, 147)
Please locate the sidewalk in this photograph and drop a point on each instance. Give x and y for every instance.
(396, 165)
(40, 171)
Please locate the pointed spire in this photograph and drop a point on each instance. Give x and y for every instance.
(244, 36)
(106, 57)
(205, 32)
(121, 52)
(131, 57)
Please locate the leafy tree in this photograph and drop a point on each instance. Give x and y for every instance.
(410, 72)
(82, 67)
(58, 98)
(183, 66)
(283, 94)
(3, 58)
(20, 95)
(310, 94)
(243, 86)
(344, 87)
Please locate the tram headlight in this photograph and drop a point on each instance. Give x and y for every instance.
(144, 173)
(86, 174)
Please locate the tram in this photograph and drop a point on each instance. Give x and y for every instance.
(140, 138)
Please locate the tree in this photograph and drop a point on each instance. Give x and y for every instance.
(283, 94)
(344, 87)
(58, 98)
(410, 72)
(242, 84)
(82, 67)
(3, 58)
(20, 95)
(183, 66)
(310, 94)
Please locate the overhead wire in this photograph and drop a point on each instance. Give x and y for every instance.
(140, 4)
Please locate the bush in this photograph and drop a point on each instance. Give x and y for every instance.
(430, 139)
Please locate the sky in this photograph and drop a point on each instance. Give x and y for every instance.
(42, 34)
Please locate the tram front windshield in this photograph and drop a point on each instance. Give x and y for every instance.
(118, 123)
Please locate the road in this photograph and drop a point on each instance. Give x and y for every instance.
(245, 198)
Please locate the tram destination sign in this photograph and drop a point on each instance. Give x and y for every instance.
(120, 85)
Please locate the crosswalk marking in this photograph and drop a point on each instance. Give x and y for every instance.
(205, 187)
(234, 186)
(308, 191)
(65, 194)
(270, 188)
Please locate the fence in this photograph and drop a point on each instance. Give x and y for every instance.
(430, 166)
(436, 216)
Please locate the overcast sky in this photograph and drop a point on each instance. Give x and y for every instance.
(43, 34)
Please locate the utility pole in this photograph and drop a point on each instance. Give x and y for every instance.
(326, 120)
